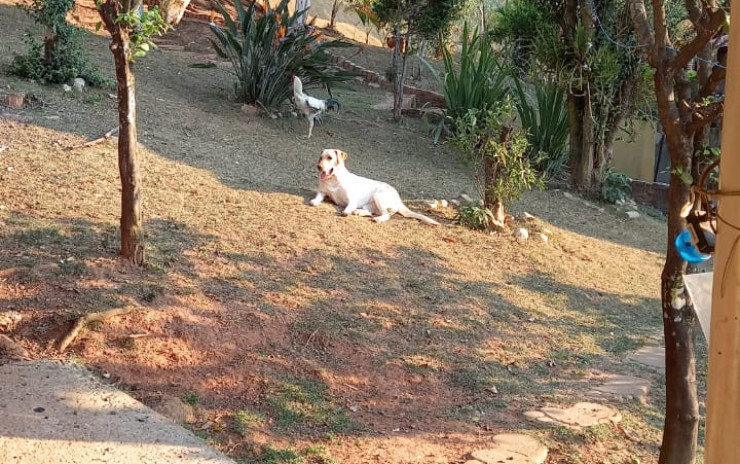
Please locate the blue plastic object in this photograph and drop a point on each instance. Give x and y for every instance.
(687, 250)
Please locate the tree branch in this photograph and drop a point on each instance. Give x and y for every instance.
(716, 78)
(705, 115)
(705, 30)
(642, 29)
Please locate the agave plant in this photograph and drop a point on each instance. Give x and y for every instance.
(266, 47)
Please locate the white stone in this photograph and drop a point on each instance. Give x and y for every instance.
(569, 196)
(466, 198)
(455, 202)
(521, 234)
(633, 214)
(66, 88)
(432, 204)
(542, 237)
(79, 84)
(527, 216)
(443, 203)
(512, 449)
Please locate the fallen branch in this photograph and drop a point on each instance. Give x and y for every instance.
(107, 136)
(87, 319)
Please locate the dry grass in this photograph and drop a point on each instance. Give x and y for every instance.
(346, 339)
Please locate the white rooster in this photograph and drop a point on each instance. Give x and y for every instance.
(310, 106)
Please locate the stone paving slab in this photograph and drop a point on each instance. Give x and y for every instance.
(651, 355)
(55, 413)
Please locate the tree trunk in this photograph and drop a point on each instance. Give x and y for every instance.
(398, 70)
(580, 140)
(132, 243)
(682, 407)
(334, 10)
(491, 172)
(302, 6)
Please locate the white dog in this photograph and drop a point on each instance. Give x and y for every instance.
(359, 195)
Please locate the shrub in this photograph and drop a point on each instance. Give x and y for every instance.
(546, 124)
(616, 187)
(266, 49)
(474, 217)
(61, 57)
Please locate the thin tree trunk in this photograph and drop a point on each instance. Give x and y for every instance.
(491, 172)
(682, 406)
(334, 10)
(132, 236)
(398, 70)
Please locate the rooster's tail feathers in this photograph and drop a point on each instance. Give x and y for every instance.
(333, 105)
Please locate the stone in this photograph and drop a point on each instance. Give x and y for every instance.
(78, 84)
(521, 234)
(633, 214)
(466, 198)
(14, 100)
(175, 409)
(432, 204)
(625, 386)
(527, 216)
(512, 448)
(583, 415)
(455, 202)
(534, 414)
(443, 203)
(569, 196)
(66, 88)
(652, 356)
(542, 237)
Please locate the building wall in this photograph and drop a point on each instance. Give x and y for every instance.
(634, 154)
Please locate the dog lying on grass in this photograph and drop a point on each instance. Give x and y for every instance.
(359, 195)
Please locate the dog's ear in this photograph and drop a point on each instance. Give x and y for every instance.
(342, 155)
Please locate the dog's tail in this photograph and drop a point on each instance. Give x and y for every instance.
(405, 212)
(333, 104)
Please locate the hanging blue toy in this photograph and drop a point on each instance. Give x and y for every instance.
(688, 250)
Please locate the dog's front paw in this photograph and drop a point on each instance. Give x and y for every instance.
(315, 202)
(346, 212)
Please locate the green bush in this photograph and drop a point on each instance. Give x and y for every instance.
(266, 50)
(616, 187)
(61, 57)
(474, 217)
(546, 124)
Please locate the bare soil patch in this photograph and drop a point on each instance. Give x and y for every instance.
(300, 336)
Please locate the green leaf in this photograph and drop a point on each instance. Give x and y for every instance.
(98, 25)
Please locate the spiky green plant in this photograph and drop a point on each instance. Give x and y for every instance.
(265, 50)
(546, 125)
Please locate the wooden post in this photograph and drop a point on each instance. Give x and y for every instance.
(723, 397)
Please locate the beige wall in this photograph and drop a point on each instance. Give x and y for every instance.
(634, 154)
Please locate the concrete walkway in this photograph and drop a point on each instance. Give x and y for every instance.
(54, 413)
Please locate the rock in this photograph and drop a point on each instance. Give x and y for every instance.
(11, 349)
(626, 386)
(542, 237)
(633, 214)
(443, 203)
(534, 414)
(583, 415)
(432, 204)
(569, 196)
(466, 198)
(512, 448)
(455, 202)
(527, 216)
(521, 234)
(14, 100)
(66, 88)
(175, 409)
(273, 116)
(78, 84)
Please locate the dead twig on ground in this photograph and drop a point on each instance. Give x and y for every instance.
(87, 319)
(107, 136)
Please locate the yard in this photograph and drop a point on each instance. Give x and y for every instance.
(297, 335)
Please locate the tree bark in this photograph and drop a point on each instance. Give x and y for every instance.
(682, 406)
(132, 236)
(398, 70)
(302, 6)
(581, 139)
(334, 11)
